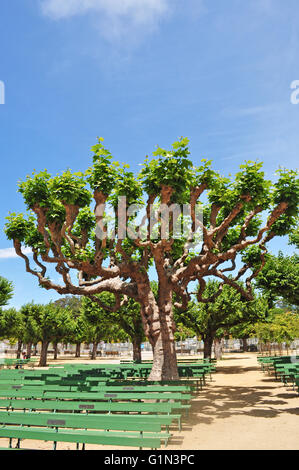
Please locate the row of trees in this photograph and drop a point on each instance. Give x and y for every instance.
(70, 320)
(76, 321)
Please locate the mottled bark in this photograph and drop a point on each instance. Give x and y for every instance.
(218, 348)
(160, 331)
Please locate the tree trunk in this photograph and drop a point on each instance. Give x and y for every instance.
(245, 344)
(78, 350)
(164, 360)
(43, 354)
(137, 350)
(159, 327)
(19, 349)
(162, 338)
(28, 351)
(94, 350)
(218, 348)
(208, 344)
(35, 350)
(55, 345)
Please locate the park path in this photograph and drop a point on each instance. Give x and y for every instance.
(242, 408)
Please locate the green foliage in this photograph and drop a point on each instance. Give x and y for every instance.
(11, 324)
(251, 181)
(86, 220)
(173, 168)
(294, 236)
(280, 279)
(6, 291)
(35, 189)
(103, 174)
(280, 328)
(286, 189)
(69, 188)
(126, 185)
(17, 227)
(127, 318)
(221, 314)
(47, 323)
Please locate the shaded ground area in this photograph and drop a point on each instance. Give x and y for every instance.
(242, 408)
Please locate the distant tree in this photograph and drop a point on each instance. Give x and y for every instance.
(12, 327)
(279, 328)
(214, 319)
(71, 302)
(6, 291)
(127, 318)
(279, 279)
(74, 304)
(47, 324)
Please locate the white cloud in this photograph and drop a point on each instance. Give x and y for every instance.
(8, 253)
(115, 17)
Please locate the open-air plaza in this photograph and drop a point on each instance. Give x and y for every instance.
(149, 269)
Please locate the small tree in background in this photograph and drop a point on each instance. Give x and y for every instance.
(280, 328)
(127, 318)
(74, 305)
(47, 324)
(279, 279)
(214, 319)
(12, 327)
(6, 291)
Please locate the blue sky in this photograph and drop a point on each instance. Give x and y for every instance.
(141, 73)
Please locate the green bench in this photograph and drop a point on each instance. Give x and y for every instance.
(144, 410)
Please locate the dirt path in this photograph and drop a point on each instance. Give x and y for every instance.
(241, 409)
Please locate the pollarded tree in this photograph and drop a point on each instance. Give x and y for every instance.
(63, 232)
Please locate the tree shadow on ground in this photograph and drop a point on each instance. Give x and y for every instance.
(232, 370)
(220, 402)
(221, 361)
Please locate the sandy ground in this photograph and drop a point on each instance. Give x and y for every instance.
(242, 408)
